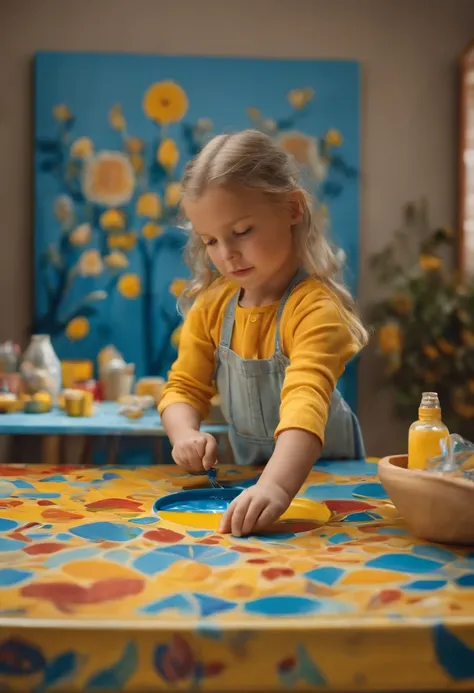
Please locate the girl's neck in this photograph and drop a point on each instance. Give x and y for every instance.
(272, 291)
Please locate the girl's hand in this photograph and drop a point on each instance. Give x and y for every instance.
(255, 509)
(195, 451)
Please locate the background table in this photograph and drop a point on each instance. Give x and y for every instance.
(106, 421)
(97, 593)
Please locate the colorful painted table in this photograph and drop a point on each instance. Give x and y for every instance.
(98, 594)
(106, 422)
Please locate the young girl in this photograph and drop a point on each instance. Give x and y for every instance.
(270, 328)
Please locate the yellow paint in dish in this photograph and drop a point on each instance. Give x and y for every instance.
(300, 509)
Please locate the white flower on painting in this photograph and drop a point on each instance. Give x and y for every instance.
(305, 151)
(109, 179)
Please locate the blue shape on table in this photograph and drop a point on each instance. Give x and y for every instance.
(209, 606)
(59, 478)
(404, 563)
(12, 576)
(143, 520)
(6, 525)
(39, 495)
(109, 476)
(465, 580)
(426, 585)
(154, 562)
(11, 544)
(362, 517)
(285, 605)
(68, 555)
(437, 553)
(20, 483)
(370, 491)
(349, 468)
(199, 533)
(58, 670)
(178, 602)
(106, 531)
(117, 675)
(393, 530)
(340, 538)
(62, 536)
(328, 575)
(121, 556)
(215, 556)
(456, 658)
(322, 492)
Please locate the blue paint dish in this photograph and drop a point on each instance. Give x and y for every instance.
(205, 500)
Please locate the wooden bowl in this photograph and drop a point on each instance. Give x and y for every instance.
(435, 507)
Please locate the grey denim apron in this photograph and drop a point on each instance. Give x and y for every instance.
(250, 393)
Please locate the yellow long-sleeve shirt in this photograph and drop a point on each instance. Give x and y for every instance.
(314, 337)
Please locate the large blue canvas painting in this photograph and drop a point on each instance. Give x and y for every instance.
(112, 135)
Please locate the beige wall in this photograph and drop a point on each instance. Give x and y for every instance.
(407, 49)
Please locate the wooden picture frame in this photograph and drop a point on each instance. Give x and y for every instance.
(466, 164)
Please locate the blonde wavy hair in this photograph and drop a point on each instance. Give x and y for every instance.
(253, 160)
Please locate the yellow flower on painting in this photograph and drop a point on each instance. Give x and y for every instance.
(130, 285)
(82, 148)
(116, 259)
(168, 153)
(138, 163)
(165, 102)
(430, 263)
(116, 118)
(61, 112)
(299, 98)
(305, 150)
(122, 241)
(134, 145)
(254, 113)
(112, 220)
(446, 347)
(334, 138)
(81, 235)
(64, 209)
(175, 336)
(149, 205)
(390, 338)
(431, 352)
(177, 287)
(402, 303)
(90, 263)
(151, 230)
(109, 179)
(173, 194)
(78, 328)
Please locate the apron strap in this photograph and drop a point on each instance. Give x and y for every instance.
(228, 323)
(300, 276)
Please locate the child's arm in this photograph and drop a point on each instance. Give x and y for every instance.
(318, 344)
(188, 393)
(295, 453)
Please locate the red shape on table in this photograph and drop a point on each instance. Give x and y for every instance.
(114, 504)
(46, 547)
(347, 506)
(64, 595)
(165, 536)
(275, 573)
(58, 514)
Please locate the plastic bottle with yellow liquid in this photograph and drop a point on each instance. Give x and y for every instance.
(425, 434)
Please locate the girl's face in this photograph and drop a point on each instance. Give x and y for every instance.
(248, 235)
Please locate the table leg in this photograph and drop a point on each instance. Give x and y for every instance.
(50, 450)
